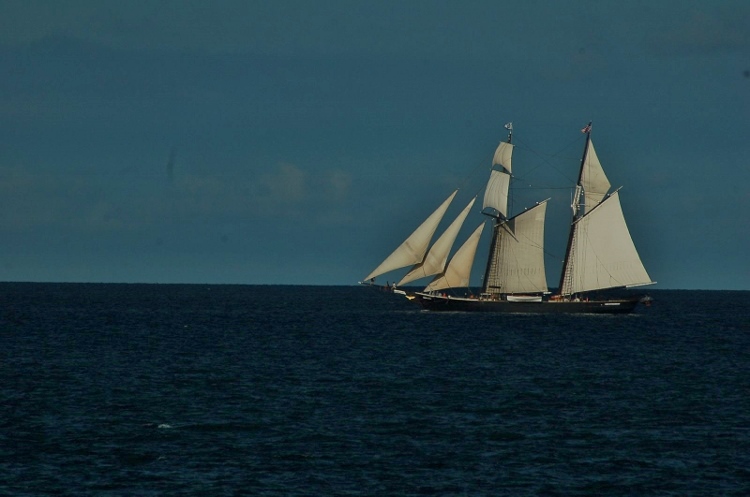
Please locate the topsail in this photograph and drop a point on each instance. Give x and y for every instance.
(593, 181)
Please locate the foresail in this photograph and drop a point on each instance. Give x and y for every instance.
(436, 259)
(517, 259)
(503, 156)
(602, 253)
(593, 180)
(457, 274)
(413, 249)
(496, 193)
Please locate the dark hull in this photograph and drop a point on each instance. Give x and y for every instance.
(454, 304)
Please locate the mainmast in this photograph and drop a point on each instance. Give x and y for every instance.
(579, 185)
(576, 206)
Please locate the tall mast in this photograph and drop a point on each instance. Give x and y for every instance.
(498, 221)
(575, 205)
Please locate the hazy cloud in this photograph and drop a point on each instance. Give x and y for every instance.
(290, 190)
(288, 184)
(704, 32)
(103, 203)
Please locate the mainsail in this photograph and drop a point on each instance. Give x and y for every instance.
(516, 262)
(413, 249)
(602, 253)
(457, 273)
(435, 260)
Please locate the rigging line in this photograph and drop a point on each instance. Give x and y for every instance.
(479, 192)
(550, 254)
(544, 187)
(471, 175)
(544, 159)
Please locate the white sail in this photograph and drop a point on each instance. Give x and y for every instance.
(456, 275)
(496, 193)
(435, 260)
(602, 254)
(517, 261)
(593, 180)
(413, 249)
(503, 156)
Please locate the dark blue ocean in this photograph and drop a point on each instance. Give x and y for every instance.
(151, 390)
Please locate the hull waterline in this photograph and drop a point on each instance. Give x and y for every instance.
(458, 304)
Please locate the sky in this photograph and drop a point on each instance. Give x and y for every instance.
(298, 142)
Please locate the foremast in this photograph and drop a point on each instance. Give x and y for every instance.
(515, 264)
(499, 210)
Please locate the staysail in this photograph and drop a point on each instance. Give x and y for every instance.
(456, 275)
(516, 262)
(435, 260)
(602, 253)
(413, 249)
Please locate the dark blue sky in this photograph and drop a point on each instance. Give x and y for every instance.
(299, 142)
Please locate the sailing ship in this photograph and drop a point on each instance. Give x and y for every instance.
(600, 253)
